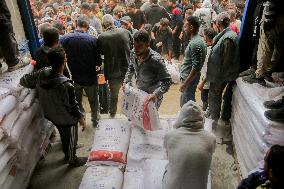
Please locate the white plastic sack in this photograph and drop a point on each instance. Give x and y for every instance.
(148, 176)
(145, 145)
(102, 177)
(173, 69)
(111, 142)
(4, 92)
(6, 157)
(136, 108)
(23, 122)
(7, 104)
(11, 80)
(23, 94)
(11, 118)
(29, 99)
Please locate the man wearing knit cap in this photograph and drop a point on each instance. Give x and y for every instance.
(190, 149)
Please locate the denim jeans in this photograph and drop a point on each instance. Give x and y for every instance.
(189, 93)
(215, 100)
(92, 94)
(114, 86)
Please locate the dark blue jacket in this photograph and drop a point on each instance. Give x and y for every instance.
(253, 181)
(82, 57)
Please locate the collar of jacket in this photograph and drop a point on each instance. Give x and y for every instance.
(216, 39)
(79, 31)
(109, 28)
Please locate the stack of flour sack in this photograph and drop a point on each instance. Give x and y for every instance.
(24, 132)
(253, 133)
(129, 154)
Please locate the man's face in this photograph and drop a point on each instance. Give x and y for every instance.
(124, 25)
(111, 4)
(85, 11)
(187, 27)
(60, 9)
(184, 2)
(120, 14)
(163, 26)
(130, 10)
(224, 3)
(170, 4)
(140, 48)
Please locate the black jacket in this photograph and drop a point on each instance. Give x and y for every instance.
(155, 13)
(115, 45)
(56, 96)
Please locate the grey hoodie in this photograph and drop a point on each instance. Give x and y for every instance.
(56, 96)
(190, 149)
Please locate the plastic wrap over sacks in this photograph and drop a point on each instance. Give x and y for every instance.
(173, 69)
(136, 107)
(11, 80)
(148, 176)
(102, 177)
(146, 145)
(7, 104)
(253, 133)
(111, 142)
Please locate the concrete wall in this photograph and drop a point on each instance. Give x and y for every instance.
(16, 20)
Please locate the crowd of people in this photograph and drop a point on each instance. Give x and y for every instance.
(126, 39)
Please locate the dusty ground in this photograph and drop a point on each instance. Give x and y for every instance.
(51, 173)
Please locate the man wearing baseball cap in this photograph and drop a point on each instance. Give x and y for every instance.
(127, 24)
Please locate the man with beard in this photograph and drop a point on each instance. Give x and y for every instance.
(149, 69)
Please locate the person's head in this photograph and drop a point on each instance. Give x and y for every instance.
(222, 21)
(141, 42)
(148, 28)
(95, 8)
(67, 8)
(85, 8)
(209, 34)
(107, 21)
(50, 37)
(190, 116)
(43, 27)
(57, 58)
(274, 165)
(224, 3)
(233, 15)
(231, 6)
(90, 1)
(112, 4)
(164, 23)
(62, 18)
(192, 24)
(126, 22)
(131, 7)
(153, 1)
(60, 27)
(60, 9)
(83, 23)
(184, 2)
(188, 11)
(197, 4)
(171, 3)
(118, 11)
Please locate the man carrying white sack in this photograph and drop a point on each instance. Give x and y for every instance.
(190, 149)
(149, 68)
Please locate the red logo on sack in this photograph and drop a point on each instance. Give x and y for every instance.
(105, 155)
